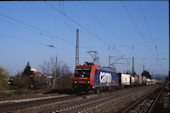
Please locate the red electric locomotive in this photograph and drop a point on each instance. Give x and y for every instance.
(90, 77)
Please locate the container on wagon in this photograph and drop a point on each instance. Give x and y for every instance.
(143, 80)
(140, 80)
(124, 79)
(132, 80)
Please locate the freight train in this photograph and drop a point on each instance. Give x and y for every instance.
(90, 77)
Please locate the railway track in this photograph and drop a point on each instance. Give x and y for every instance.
(88, 104)
(13, 105)
(144, 104)
(73, 103)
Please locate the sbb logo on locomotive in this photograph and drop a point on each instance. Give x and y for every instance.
(105, 77)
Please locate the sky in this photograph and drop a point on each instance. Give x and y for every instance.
(121, 29)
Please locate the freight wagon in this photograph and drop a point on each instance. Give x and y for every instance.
(136, 80)
(150, 81)
(91, 77)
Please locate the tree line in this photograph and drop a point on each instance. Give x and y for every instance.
(55, 74)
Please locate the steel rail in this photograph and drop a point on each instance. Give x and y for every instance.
(138, 101)
(81, 105)
(91, 103)
(153, 104)
(8, 107)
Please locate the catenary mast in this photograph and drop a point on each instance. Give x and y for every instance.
(77, 48)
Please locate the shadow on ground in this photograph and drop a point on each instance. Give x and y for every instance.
(61, 91)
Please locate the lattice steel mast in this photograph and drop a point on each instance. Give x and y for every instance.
(77, 48)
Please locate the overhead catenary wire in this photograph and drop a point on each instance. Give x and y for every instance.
(105, 28)
(147, 26)
(154, 45)
(139, 31)
(63, 7)
(46, 35)
(145, 20)
(94, 17)
(137, 44)
(156, 59)
(60, 7)
(40, 43)
(33, 42)
(71, 28)
(100, 22)
(61, 4)
(74, 21)
(156, 39)
(54, 17)
(134, 23)
(42, 32)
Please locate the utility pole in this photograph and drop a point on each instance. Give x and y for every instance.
(77, 48)
(133, 65)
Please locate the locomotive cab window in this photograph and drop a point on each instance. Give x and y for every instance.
(82, 71)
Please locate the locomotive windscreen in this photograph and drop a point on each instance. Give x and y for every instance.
(85, 72)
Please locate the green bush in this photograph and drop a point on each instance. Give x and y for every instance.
(3, 79)
(40, 82)
(22, 81)
(65, 82)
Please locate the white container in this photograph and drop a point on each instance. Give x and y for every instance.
(125, 79)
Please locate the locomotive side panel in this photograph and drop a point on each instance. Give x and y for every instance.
(104, 78)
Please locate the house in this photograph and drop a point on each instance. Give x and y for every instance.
(36, 74)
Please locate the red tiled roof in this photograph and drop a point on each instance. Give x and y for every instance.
(37, 73)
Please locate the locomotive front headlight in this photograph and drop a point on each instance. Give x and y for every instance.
(88, 82)
(75, 81)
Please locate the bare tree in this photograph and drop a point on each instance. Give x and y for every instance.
(55, 70)
(50, 66)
